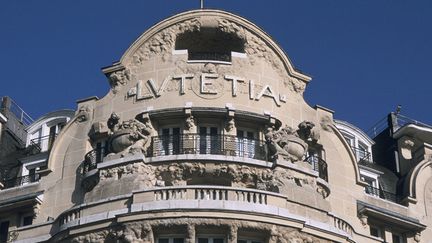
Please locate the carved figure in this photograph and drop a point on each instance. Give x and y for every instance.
(190, 123)
(307, 132)
(83, 114)
(230, 125)
(118, 78)
(131, 136)
(285, 143)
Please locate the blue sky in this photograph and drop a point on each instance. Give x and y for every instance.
(365, 56)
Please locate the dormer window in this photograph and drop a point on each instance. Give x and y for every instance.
(209, 44)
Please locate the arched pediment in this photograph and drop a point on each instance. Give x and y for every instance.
(161, 41)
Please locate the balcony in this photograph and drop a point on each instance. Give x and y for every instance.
(318, 165)
(208, 144)
(19, 181)
(42, 144)
(196, 144)
(183, 200)
(378, 192)
(361, 154)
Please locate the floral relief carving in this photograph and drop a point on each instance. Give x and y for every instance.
(256, 48)
(142, 231)
(162, 43)
(177, 174)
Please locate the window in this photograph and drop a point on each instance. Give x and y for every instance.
(349, 138)
(101, 151)
(376, 231)
(27, 220)
(209, 140)
(246, 144)
(4, 231)
(211, 240)
(170, 240)
(248, 241)
(397, 238)
(170, 140)
(362, 152)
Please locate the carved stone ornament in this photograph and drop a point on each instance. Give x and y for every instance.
(363, 219)
(118, 79)
(280, 180)
(286, 144)
(83, 114)
(326, 123)
(406, 147)
(142, 231)
(13, 236)
(190, 124)
(230, 125)
(131, 136)
(162, 43)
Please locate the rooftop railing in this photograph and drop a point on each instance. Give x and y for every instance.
(378, 192)
(19, 181)
(397, 121)
(16, 110)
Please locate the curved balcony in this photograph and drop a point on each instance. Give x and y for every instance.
(197, 144)
(208, 144)
(235, 202)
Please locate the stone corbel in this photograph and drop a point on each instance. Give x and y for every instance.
(83, 114)
(417, 237)
(118, 76)
(363, 219)
(406, 145)
(190, 122)
(230, 127)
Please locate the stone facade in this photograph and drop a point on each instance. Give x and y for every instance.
(205, 137)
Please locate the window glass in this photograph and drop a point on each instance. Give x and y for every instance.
(203, 240)
(28, 220)
(218, 240)
(4, 229)
(178, 240)
(375, 231)
(163, 240)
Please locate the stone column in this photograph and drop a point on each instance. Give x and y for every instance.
(190, 238)
(232, 236)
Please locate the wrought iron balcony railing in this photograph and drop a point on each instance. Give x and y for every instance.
(19, 181)
(206, 145)
(209, 56)
(378, 192)
(318, 165)
(42, 144)
(362, 154)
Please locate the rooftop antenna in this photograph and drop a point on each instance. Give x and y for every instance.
(202, 4)
(398, 109)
